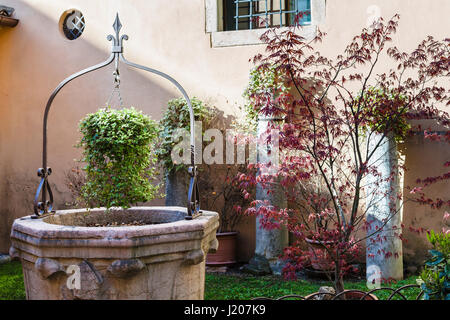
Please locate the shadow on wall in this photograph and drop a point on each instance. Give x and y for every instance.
(34, 58)
(424, 158)
(218, 194)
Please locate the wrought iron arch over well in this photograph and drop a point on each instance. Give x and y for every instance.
(45, 206)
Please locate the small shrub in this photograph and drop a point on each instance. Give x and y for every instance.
(434, 279)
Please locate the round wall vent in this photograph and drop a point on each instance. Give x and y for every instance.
(72, 24)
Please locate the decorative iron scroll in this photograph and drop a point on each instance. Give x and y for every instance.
(364, 295)
(45, 206)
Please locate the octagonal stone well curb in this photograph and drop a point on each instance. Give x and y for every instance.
(63, 258)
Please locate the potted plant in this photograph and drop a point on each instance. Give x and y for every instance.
(217, 184)
(220, 192)
(309, 199)
(331, 117)
(113, 249)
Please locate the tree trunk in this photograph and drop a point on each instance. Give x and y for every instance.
(339, 285)
(338, 278)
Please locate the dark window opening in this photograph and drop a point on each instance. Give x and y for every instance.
(257, 14)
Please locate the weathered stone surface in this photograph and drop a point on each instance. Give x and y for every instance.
(162, 260)
(4, 258)
(126, 268)
(258, 265)
(269, 243)
(91, 284)
(195, 257)
(326, 293)
(177, 184)
(384, 251)
(13, 253)
(47, 267)
(213, 246)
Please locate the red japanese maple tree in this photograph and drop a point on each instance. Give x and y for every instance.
(334, 108)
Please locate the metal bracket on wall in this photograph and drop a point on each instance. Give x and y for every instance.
(45, 206)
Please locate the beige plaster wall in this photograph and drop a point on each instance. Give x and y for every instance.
(166, 35)
(35, 57)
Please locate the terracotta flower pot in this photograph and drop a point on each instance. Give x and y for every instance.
(63, 257)
(321, 261)
(226, 253)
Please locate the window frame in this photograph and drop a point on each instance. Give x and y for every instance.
(219, 38)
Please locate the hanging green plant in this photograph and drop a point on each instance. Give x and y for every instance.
(119, 157)
(177, 117)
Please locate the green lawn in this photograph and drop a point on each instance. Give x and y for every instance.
(11, 281)
(217, 287)
(224, 287)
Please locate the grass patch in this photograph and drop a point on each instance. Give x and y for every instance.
(239, 287)
(219, 286)
(11, 281)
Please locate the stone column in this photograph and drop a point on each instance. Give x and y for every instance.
(177, 182)
(269, 243)
(384, 249)
(177, 185)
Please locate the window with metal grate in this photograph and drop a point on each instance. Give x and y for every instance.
(257, 14)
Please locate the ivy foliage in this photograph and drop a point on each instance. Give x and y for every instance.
(177, 117)
(262, 81)
(435, 276)
(119, 159)
(384, 111)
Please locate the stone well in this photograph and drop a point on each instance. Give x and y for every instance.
(63, 258)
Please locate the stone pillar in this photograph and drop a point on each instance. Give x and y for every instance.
(177, 185)
(384, 250)
(177, 182)
(269, 243)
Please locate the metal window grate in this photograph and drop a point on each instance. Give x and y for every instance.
(256, 14)
(73, 25)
